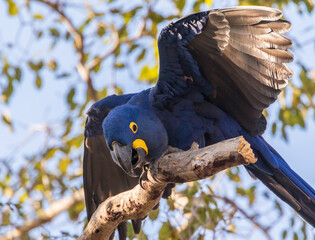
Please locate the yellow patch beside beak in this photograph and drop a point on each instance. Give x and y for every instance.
(139, 143)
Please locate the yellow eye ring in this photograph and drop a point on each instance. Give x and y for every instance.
(133, 126)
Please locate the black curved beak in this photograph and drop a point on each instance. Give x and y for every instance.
(128, 158)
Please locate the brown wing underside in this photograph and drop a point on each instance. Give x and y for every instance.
(242, 52)
(103, 178)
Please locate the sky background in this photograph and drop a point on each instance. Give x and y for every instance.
(31, 109)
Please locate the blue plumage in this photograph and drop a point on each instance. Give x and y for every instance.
(209, 89)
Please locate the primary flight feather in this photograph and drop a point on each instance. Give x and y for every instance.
(219, 70)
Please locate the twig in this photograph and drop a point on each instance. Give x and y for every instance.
(54, 209)
(117, 43)
(79, 45)
(251, 218)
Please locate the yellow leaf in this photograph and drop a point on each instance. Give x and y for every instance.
(6, 118)
(63, 165)
(38, 16)
(13, 9)
(8, 192)
(23, 197)
(208, 2)
(231, 228)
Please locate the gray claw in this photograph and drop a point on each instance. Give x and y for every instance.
(143, 175)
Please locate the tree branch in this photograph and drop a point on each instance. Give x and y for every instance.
(172, 167)
(54, 209)
(265, 230)
(78, 39)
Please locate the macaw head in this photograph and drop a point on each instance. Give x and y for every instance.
(135, 136)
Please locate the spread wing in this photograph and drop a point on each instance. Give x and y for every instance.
(235, 56)
(101, 176)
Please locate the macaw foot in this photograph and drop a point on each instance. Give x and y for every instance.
(143, 175)
(194, 146)
(168, 190)
(136, 224)
(171, 149)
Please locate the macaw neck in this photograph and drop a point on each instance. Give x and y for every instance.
(142, 100)
(151, 129)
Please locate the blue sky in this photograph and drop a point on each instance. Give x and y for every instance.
(31, 109)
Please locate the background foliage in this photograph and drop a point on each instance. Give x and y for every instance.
(72, 53)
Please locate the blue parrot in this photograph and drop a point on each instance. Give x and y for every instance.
(219, 70)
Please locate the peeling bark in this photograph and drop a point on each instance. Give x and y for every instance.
(173, 167)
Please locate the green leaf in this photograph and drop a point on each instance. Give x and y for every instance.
(102, 93)
(232, 173)
(38, 81)
(86, 57)
(7, 92)
(274, 128)
(201, 211)
(54, 32)
(118, 90)
(133, 47)
(153, 214)
(36, 66)
(241, 191)
(75, 210)
(119, 65)
(130, 233)
(6, 218)
(117, 51)
(197, 5)
(86, 22)
(68, 125)
(68, 35)
(115, 10)
(284, 234)
(50, 153)
(141, 55)
(63, 75)
(278, 206)
(180, 4)
(170, 203)
(18, 74)
(165, 231)
(70, 101)
(101, 29)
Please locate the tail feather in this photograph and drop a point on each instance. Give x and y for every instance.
(301, 180)
(282, 180)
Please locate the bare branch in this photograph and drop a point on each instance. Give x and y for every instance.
(54, 209)
(117, 42)
(83, 71)
(265, 230)
(178, 167)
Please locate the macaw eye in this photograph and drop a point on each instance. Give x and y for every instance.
(133, 126)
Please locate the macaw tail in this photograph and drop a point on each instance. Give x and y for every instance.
(276, 174)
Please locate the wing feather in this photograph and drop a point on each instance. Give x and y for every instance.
(102, 178)
(235, 56)
(252, 56)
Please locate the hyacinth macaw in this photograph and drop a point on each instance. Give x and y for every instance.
(219, 70)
